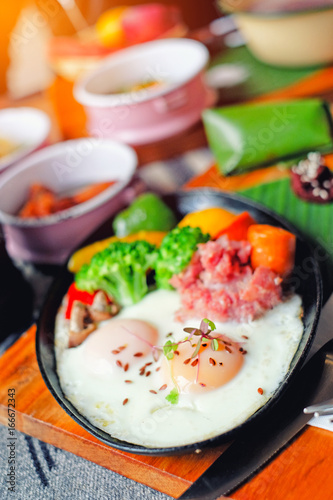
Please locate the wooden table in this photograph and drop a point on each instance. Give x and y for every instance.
(302, 471)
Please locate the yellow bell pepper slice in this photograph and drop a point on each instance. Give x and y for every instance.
(209, 220)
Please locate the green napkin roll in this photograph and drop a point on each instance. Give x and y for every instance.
(249, 136)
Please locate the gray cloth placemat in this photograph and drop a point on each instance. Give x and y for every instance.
(43, 472)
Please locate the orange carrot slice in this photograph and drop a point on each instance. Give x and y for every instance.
(272, 247)
(237, 230)
(91, 191)
(40, 202)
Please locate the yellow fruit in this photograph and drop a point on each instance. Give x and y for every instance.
(85, 254)
(109, 27)
(210, 220)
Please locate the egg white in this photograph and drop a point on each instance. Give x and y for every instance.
(148, 419)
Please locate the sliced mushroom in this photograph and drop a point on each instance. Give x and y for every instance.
(81, 324)
(101, 309)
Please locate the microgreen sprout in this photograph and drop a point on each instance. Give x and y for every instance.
(169, 348)
(203, 332)
(173, 396)
(215, 344)
(209, 323)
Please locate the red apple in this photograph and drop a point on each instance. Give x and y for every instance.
(149, 21)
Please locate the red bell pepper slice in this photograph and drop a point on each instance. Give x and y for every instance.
(76, 294)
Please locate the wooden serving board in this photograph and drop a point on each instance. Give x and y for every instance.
(305, 466)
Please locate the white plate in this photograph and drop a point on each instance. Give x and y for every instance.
(27, 128)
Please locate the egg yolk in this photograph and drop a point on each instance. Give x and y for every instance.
(119, 344)
(209, 369)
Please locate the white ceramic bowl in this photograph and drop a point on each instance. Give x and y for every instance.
(284, 33)
(150, 114)
(63, 167)
(26, 128)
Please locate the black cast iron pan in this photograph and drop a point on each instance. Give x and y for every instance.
(306, 281)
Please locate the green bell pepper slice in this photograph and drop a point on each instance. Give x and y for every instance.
(148, 212)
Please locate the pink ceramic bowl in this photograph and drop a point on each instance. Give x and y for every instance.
(63, 167)
(150, 114)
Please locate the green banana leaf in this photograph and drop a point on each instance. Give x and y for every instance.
(249, 136)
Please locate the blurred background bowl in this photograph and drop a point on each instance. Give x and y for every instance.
(63, 167)
(25, 130)
(295, 33)
(149, 114)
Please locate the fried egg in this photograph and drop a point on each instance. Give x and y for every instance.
(121, 381)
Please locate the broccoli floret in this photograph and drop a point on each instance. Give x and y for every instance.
(176, 251)
(120, 270)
